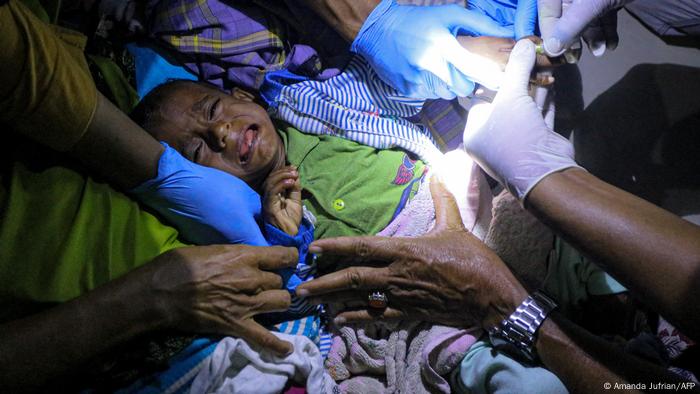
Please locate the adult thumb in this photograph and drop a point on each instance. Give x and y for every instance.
(517, 75)
(447, 214)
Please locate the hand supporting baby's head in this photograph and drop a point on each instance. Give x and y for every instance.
(212, 128)
(230, 133)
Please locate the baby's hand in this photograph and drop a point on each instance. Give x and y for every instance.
(282, 200)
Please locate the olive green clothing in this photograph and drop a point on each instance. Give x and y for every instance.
(351, 189)
(63, 234)
(46, 91)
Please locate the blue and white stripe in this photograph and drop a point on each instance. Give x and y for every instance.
(356, 105)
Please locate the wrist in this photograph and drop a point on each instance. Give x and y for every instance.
(346, 17)
(555, 184)
(501, 308)
(517, 334)
(158, 307)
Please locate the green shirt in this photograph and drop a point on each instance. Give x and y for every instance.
(63, 234)
(351, 189)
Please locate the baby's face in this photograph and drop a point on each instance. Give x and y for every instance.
(214, 129)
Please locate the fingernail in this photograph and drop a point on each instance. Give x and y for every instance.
(290, 351)
(302, 292)
(339, 321)
(552, 46)
(597, 49)
(315, 250)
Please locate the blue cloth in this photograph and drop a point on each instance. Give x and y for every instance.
(415, 50)
(181, 371)
(153, 69)
(484, 370)
(301, 242)
(273, 84)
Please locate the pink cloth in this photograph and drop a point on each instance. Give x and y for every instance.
(413, 357)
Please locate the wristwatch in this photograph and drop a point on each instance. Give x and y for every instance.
(516, 334)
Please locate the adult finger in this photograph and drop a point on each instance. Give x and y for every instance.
(576, 18)
(346, 298)
(447, 214)
(271, 301)
(516, 78)
(261, 337)
(272, 258)
(609, 23)
(353, 278)
(268, 281)
(594, 37)
(548, 14)
(360, 249)
(525, 18)
(369, 315)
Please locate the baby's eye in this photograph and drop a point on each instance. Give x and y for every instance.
(212, 109)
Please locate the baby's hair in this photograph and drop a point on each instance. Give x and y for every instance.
(148, 112)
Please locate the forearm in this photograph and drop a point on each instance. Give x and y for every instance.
(345, 16)
(117, 148)
(53, 343)
(630, 238)
(585, 363)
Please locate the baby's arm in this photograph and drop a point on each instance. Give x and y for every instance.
(282, 200)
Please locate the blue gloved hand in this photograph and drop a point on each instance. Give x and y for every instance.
(415, 50)
(519, 15)
(206, 205)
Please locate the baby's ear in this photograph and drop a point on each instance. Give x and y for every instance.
(241, 94)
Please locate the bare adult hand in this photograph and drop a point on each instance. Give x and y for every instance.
(219, 288)
(282, 200)
(447, 276)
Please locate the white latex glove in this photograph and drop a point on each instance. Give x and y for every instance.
(509, 138)
(563, 21)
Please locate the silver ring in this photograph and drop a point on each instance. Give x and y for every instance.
(377, 300)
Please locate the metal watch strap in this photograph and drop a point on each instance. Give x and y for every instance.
(520, 327)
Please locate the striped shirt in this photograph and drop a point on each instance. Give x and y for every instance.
(355, 105)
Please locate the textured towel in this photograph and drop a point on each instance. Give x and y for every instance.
(234, 367)
(413, 357)
(409, 357)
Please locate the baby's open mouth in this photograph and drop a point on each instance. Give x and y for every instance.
(246, 146)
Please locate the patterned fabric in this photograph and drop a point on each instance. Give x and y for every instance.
(231, 46)
(355, 105)
(446, 121)
(236, 46)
